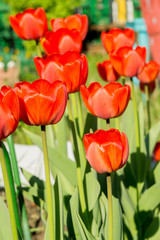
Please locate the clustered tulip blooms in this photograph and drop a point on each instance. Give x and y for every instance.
(71, 68)
(64, 70)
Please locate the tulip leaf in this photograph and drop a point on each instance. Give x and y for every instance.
(85, 234)
(61, 161)
(153, 231)
(5, 226)
(57, 212)
(151, 138)
(150, 198)
(117, 219)
(127, 126)
(104, 212)
(156, 173)
(90, 123)
(92, 190)
(61, 135)
(128, 209)
(58, 209)
(80, 230)
(74, 206)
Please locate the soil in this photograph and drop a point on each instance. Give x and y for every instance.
(34, 219)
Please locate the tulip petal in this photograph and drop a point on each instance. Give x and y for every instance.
(97, 159)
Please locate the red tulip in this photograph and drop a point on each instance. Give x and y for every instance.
(106, 151)
(76, 21)
(9, 111)
(61, 41)
(71, 68)
(149, 72)
(127, 61)
(117, 38)
(107, 72)
(41, 103)
(31, 24)
(106, 102)
(156, 152)
(151, 86)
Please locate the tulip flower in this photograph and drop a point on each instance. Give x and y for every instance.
(156, 152)
(61, 41)
(9, 111)
(106, 102)
(71, 68)
(127, 61)
(117, 38)
(41, 103)
(76, 21)
(106, 151)
(149, 72)
(107, 72)
(31, 24)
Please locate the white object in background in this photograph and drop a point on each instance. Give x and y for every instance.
(30, 158)
(1, 65)
(114, 12)
(11, 64)
(130, 11)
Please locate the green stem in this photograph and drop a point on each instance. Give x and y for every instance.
(110, 211)
(80, 115)
(26, 230)
(148, 106)
(135, 116)
(48, 183)
(137, 160)
(78, 135)
(108, 123)
(38, 49)
(77, 158)
(123, 80)
(8, 194)
(117, 123)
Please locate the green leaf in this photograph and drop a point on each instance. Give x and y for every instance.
(61, 135)
(156, 172)
(150, 198)
(129, 129)
(92, 190)
(117, 219)
(104, 212)
(58, 209)
(86, 235)
(80, 231)
(153, 231)
(5, 226)
(61, 162)
(90, 123)
(128, 209)
(151, 138)
(74, 206)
